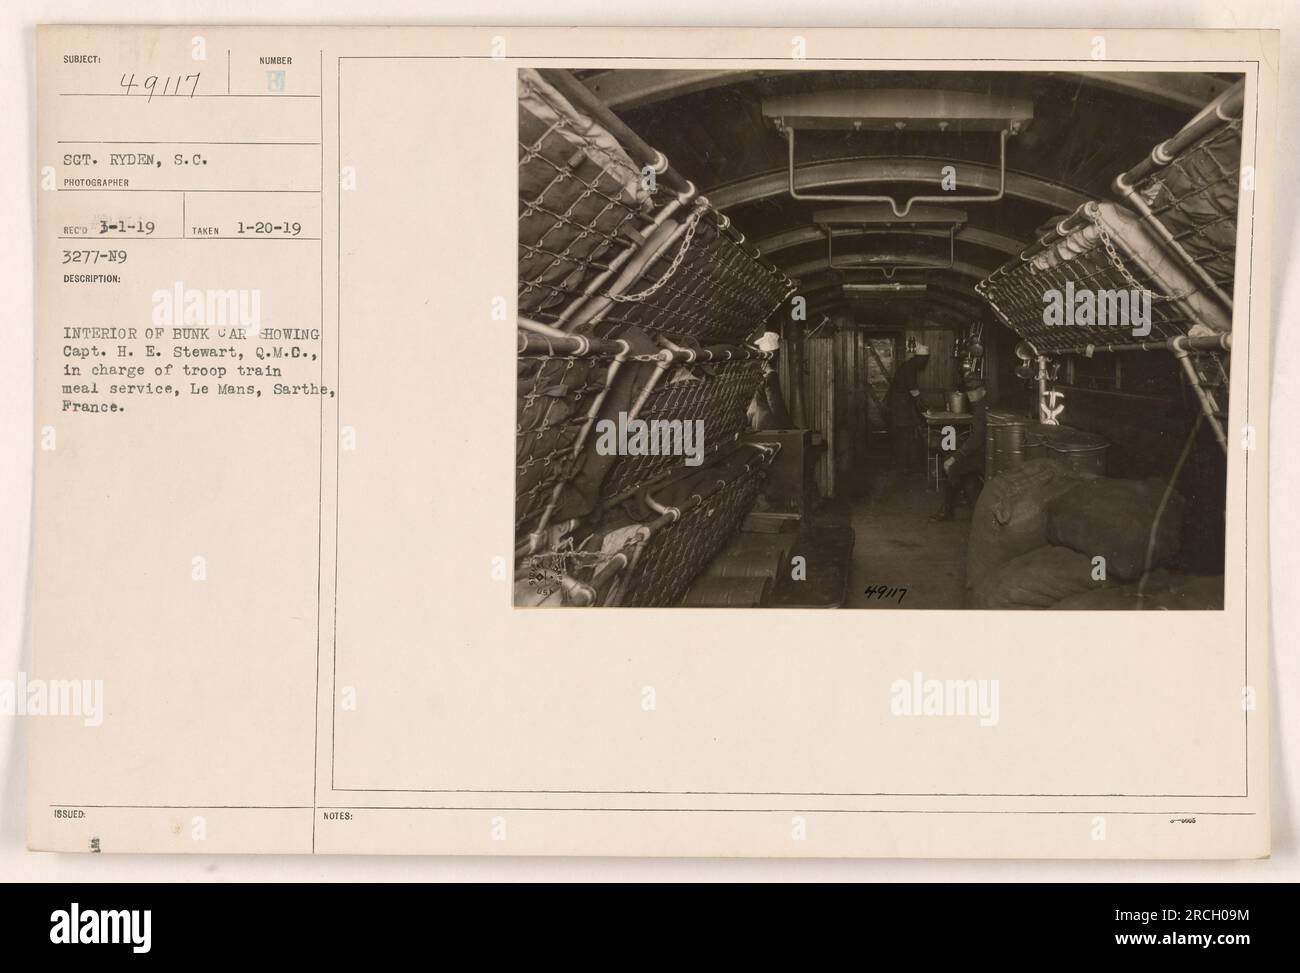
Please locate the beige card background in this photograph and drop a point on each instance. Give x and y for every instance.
(221, 696)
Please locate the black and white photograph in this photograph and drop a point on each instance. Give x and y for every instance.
(973, 318)
(875, 339)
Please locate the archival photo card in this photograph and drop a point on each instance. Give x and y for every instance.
(365, 354)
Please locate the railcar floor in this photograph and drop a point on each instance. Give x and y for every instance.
(826, 545)
(898, 546)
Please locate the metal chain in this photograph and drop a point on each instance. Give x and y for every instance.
(691, 224)
(1118, 263)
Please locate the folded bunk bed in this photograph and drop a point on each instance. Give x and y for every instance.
(636, 299)
(1173, 235)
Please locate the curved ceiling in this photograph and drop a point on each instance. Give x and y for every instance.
(1087, 127)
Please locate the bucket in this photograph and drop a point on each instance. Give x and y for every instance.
(957, 404)
(1083, 452)
(1008, 445)
(1004, 441)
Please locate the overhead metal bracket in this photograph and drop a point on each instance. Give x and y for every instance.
(882, 220)
(897, 110)
(901, 212)
(911, 290)
(890, 269)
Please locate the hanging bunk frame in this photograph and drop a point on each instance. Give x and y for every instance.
(636, 298)
(1174, 236)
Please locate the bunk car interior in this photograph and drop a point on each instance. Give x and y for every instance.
(874, 339)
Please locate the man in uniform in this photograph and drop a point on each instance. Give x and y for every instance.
(905, 408)
(962, 470)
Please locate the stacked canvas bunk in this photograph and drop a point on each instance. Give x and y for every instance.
(637, 302)
(1172, 234)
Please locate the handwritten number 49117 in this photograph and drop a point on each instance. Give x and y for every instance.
(884, 592)
(172, 84)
